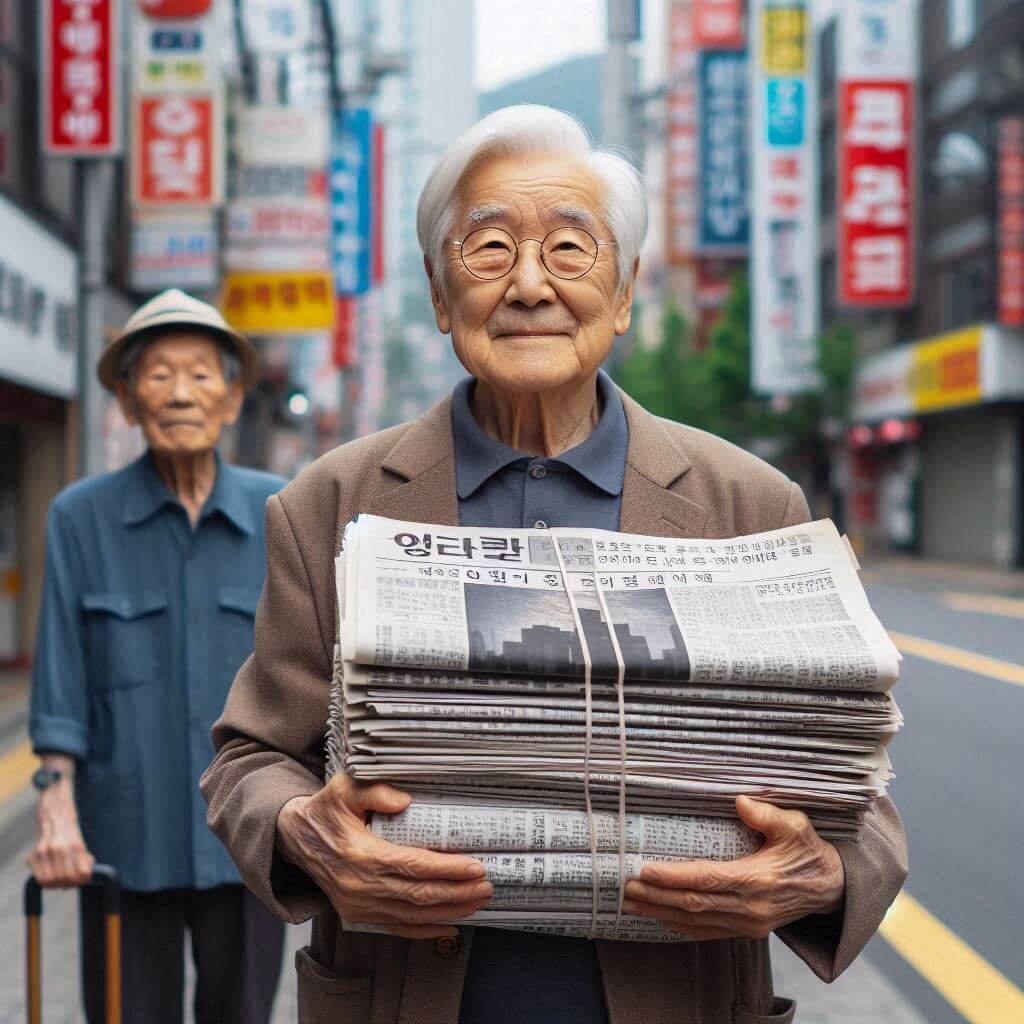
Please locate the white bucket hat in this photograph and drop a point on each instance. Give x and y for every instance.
(175, 308)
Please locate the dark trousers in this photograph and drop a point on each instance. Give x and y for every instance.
(236, 943)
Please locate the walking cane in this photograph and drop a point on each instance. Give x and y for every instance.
(101, 875)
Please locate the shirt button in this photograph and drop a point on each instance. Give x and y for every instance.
(538, 472)
(540, 525)
(447, 947)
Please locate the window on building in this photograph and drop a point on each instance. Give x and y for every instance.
(958, 160)
(969, 293)
(962, 21)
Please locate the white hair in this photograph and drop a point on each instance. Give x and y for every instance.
(530, 128)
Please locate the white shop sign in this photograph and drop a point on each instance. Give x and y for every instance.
(38, 293)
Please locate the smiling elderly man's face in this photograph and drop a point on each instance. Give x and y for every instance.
(530, 330)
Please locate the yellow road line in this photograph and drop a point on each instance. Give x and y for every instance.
(965, 980)
(944, 654)
(987, 604)
(16, 768)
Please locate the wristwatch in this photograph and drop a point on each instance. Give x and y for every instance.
(44, 778)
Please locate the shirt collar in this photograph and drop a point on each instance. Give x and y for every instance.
(601, 458)
(148, 494)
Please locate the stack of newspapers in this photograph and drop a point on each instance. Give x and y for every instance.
(569, 704)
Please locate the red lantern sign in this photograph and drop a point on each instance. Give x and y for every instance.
(79, 77)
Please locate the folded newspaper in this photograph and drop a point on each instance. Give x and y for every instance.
(568, 704)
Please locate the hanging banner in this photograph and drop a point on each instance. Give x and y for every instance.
(1010, 178)
(877, 70)
(177, 151)
(718, 24)
(681, 137)
(784, 323)
(174, 250)
(276, 26)
(289, 234)
(351, 185)
(80, 43)
(281, 136)
(279, 303)
(724, 223)
(175, 55)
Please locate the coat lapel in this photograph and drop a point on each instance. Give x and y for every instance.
(655, 501)
(421, 471)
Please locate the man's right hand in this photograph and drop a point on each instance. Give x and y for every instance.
(369, 880)
(60, 857)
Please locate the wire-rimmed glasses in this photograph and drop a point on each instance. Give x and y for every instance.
(567, 253)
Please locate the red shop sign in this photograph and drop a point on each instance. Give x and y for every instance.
(1011, 221)
(176, 158)
(876, 193)
(174, 8)
(718, 24)
(78, 49)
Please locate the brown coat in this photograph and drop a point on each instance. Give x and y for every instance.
(679, 482)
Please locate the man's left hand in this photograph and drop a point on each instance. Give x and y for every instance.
(793, 874)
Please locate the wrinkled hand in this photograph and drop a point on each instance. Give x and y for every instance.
(794, 873)
(59, 858)
(369, 880)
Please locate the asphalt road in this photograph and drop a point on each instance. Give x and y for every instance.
(959, 765)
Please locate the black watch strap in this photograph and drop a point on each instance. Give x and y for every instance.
(44, 778)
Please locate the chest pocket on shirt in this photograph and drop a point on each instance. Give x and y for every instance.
(236, 619)
(128, 633)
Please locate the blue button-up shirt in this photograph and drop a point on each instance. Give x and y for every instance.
(516, 977)
(145, 622)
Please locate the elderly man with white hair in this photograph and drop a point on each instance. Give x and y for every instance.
(530, 239)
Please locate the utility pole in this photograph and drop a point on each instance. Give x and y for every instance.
(94, 183)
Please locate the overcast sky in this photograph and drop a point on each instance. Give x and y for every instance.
(514, 39)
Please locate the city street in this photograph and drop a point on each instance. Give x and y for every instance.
(950, 950)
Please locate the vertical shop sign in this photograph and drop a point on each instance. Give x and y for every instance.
(276, 26)
(81, 99)
(724, 218)
(784, 321)
(351, 189)
(177, 153)
(876, 137)
(1011, 221)
(718, 24)
(681, 139)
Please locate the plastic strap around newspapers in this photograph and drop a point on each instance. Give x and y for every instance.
(620, 668)
(588, 699)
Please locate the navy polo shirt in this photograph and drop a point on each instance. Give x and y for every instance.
(518, 977)
(145, 622)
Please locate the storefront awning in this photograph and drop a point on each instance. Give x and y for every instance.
(984, 363)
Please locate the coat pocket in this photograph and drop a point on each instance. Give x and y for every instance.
(328, 998)
(783, 1011)
(127, 636)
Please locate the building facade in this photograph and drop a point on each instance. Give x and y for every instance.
(934, 457)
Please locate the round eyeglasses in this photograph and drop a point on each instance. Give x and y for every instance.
(567, 253)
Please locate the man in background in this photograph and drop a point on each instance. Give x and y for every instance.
(153, 574)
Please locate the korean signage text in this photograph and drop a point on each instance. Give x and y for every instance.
(724, 219)
(1011, 221)
(177, 152)
(784, 215)
(351, 194)
(80, 44)
(681, 137)
(718, 23)
(876, 202)
(279, 303)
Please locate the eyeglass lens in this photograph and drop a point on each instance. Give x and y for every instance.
(490, 253)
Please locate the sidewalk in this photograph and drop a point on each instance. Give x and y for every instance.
(861, 996)
(920, 573)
